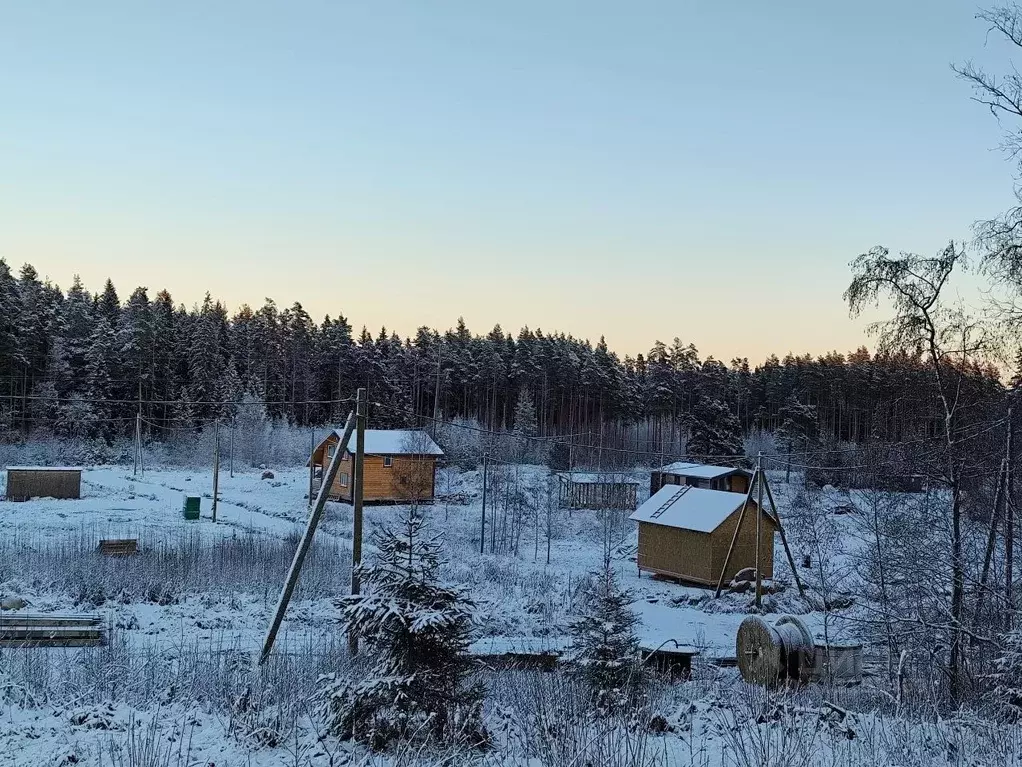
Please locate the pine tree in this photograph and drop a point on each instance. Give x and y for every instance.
(605, 644)
(417, 632)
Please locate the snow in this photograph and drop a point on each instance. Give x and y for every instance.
(598, 478)
(396, 442)
(698, 470)
(44, 468)
(525, 605)
(689, 508)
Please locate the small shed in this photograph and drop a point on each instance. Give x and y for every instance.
(24, 482)
(598, 490)
(400, 465)
(685, 532)
(726, 478)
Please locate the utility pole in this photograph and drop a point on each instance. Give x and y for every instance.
(216, 464)
(138, 442)
(357, 496)
(234, 419)
(436, 394)
(1009, 520)
(759, 527)
(329, 474)
(312, 464)
(138, 431)
(482, 528)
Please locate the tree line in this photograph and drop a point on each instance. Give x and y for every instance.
(78, 364)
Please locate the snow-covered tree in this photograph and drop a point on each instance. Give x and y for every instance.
(526, 427)
(604, 640)
(417, 633)
(715, 431)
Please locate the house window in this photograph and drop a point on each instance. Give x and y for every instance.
(330, 450)
(344, 480)
(388, 461)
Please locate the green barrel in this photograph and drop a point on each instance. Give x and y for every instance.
(191, 507)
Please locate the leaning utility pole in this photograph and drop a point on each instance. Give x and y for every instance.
(303, 545)
(358, 492)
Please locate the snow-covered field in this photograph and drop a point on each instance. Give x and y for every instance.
(178, 684)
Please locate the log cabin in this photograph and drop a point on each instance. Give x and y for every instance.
(726, 478)
(400, 466)
(685, 532)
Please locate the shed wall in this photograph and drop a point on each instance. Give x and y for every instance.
(23, 484)
(684, 554)
(745, 547)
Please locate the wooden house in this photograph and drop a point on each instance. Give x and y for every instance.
(726, 478)
(685, 532)
(400, 465)
(597, 490)
(24, 482)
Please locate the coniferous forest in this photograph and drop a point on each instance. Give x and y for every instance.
(81, 364)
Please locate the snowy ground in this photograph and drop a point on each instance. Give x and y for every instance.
(201, 593)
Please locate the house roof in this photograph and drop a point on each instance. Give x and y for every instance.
(700, 470)
(689, 508)
(599, 478)
(395, 442)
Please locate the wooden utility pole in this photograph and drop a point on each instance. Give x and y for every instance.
(759, 530)
(138, 442)
(303, 545)
(357, 497)
(1009, 520)
(234, 420)
(436, 393)
(734, 538)
(312, 464)
(216, 464)
(482, 528)
(784, 538)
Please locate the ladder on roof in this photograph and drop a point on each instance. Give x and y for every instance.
(670, 501)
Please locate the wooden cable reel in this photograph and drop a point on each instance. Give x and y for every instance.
(772, 655)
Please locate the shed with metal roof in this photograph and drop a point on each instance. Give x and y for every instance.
(685, 532)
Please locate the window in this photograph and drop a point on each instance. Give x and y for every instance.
(344, 479)
(388, 461)
(330, 450)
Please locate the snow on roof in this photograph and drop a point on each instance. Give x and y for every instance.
(44, 468)
(699, 470)
(688, 508)
(600, 478)
(395, 442)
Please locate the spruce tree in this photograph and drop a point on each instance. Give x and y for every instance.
(605, 645)
(526, 428)
(416, 631)
(714, 431)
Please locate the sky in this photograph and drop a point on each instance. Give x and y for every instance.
(638, 170)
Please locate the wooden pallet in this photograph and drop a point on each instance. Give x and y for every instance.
(118, 547)
(52, 631)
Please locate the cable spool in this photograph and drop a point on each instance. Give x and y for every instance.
(771, 655)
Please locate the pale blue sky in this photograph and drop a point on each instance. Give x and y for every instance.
(642, 170)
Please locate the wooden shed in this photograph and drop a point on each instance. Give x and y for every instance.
(598, 490)
(400, 465)
(726, 478)
(685, 532)
(24, 482)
